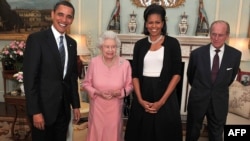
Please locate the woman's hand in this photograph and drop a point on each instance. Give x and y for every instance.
(109, 94)
(104, 94)
(151, 107)
(155, 107)
(147, 106)
(116, 93)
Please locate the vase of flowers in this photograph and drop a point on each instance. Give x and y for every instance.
(19, 77)
(12, 55)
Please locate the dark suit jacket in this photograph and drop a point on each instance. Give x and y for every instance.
(199, 77)
(45, 87)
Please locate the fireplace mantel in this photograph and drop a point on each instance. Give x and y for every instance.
(194, 40)
(188, 43)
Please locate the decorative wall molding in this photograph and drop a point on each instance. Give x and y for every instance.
(164, 3)
(239, 18)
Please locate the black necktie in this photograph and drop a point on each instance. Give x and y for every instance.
(62, 51)
(215, 67)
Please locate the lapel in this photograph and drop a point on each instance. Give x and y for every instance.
(70, 52)
(51, 41)
(224, 64)
(206, 61)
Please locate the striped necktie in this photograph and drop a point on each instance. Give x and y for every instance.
(62, 51)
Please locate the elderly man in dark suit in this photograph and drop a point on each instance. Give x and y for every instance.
(50, 77)
(210, 78)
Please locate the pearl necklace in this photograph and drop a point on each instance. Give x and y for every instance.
(154, 42)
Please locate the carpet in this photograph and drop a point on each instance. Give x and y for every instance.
(79, 133)
(21, 129)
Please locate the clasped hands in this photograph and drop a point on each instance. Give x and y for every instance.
(151, 107)
(109, 94)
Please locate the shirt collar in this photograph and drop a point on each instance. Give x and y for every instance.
(56, 33)
(212, 48)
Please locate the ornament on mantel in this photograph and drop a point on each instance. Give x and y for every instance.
(183, 26)
(132, 24)
(202, 28)
(114, 22)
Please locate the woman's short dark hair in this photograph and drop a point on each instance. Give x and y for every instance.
(65, 3)
(155, 9)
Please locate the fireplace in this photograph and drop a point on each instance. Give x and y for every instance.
(188, 43)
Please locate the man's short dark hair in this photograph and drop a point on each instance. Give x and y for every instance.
(65, 3)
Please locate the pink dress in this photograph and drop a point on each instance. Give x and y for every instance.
(105, 116)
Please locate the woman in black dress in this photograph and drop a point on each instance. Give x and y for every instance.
(156, 70)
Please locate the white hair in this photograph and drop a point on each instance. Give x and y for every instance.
(109, 35)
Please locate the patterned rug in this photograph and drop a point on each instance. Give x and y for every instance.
(79, 131)
(21, 129)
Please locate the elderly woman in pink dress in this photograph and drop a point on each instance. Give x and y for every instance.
(107, 78)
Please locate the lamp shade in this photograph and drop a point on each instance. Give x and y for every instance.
(81, 44)
(242, 45)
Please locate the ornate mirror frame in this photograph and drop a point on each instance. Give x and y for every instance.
(164, 3)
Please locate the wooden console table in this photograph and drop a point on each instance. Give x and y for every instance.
(19, 104)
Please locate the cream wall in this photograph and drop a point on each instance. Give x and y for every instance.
(92, 18)
(95, 15)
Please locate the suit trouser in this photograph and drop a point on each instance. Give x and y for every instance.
(55, 132)
(195, 121)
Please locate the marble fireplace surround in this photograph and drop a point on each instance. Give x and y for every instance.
(188, 43)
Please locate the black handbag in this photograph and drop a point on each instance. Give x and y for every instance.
(126, 105)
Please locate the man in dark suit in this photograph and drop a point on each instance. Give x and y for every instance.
(50, 79)
(210, 86)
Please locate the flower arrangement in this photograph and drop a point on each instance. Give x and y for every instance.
(12, 54)
(19, 76)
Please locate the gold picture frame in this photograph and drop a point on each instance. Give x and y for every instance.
(27, 24)
(164, 3)
(17, 36)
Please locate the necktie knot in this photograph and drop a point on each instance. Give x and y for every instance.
(217, 51)
(61, 38)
